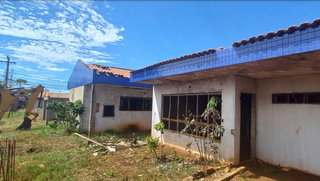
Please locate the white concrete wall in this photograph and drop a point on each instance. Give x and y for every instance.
(225, 85)
(288, 134)
(76, 93)
(83, 93)
(110, 95)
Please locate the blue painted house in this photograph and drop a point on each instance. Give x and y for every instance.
(270, 91)
(112, 101)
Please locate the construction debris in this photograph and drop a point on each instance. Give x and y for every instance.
(103, 146)
(228, 176)
(131, 144)
(285, 169)
(112, 149)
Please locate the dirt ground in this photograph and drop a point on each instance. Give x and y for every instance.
(61, 156)
(261, 171)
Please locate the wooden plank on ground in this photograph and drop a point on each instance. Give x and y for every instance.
(228, 176)
(105, 147)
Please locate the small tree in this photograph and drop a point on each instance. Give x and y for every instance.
(153, 143)
(20, 82)
(67, 113)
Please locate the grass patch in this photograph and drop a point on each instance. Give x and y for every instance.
(46, 153)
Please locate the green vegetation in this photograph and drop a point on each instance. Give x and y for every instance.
(46, 153)
(67, 114)
(209, 132)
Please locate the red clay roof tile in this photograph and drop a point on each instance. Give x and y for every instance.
(110, 71)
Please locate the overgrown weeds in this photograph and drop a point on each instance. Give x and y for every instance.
(45, 153)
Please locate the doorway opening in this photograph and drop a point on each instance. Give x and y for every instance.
(245, 127)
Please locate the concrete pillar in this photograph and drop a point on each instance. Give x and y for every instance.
(92, 117)
(228, 146)
(156, 110)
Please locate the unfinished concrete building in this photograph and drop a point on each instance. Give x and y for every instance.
(111, 101)
(270, 91)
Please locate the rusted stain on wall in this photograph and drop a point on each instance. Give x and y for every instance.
(97, 107)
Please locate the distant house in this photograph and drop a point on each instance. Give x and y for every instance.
(112, 102)
(49, 115)
(270, 91)
(44, 99)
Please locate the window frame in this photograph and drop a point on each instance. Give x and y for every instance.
(305, 98)
(144, 99)
(177, 120)
(103, 113)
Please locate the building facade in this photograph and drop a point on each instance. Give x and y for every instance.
(111, 101)
(270, 91)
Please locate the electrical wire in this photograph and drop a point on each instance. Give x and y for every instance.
(57, 80)
(46, 84)
(34, 76)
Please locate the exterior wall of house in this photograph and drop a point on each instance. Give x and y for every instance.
(287, 134)
(110, 95)
(49, 114)
(230, 113)
(83, 93)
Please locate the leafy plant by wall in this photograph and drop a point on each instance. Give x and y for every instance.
(67, 113)
(204, 135)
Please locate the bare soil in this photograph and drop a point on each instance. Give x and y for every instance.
(261, 171)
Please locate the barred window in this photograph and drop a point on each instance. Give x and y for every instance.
(176, 107)
(135, 104)
(108, 111)
(296, 98)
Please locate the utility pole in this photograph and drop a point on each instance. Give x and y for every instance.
(11, 79)
(7, 73)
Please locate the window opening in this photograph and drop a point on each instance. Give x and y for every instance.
(296, 98)
(182, 107)
(175, 108)
(135, 104)
(124, 104)
(313, 98)
(108, 111)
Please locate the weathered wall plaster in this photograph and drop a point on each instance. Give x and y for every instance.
(287, 134)
(110, 95)
(225, 86)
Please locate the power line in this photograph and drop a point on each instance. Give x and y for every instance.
(7, 72)
(34, 76)
(32, 82)
(53, 87)
(57, 80)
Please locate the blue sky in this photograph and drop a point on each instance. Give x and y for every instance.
(47, 38)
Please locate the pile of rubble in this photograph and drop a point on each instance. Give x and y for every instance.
(112, 146)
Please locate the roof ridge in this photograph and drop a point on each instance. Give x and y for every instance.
(279, 32)
(111, 67)
(182, 58)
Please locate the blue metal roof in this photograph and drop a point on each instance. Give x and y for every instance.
(82, 75)
(299, 41)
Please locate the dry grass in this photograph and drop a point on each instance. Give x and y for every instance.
(60, 156)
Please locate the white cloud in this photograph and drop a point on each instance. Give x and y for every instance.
(23, 9)
(55, 69)
(95, 61)
(65, 32)
(24, 68)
